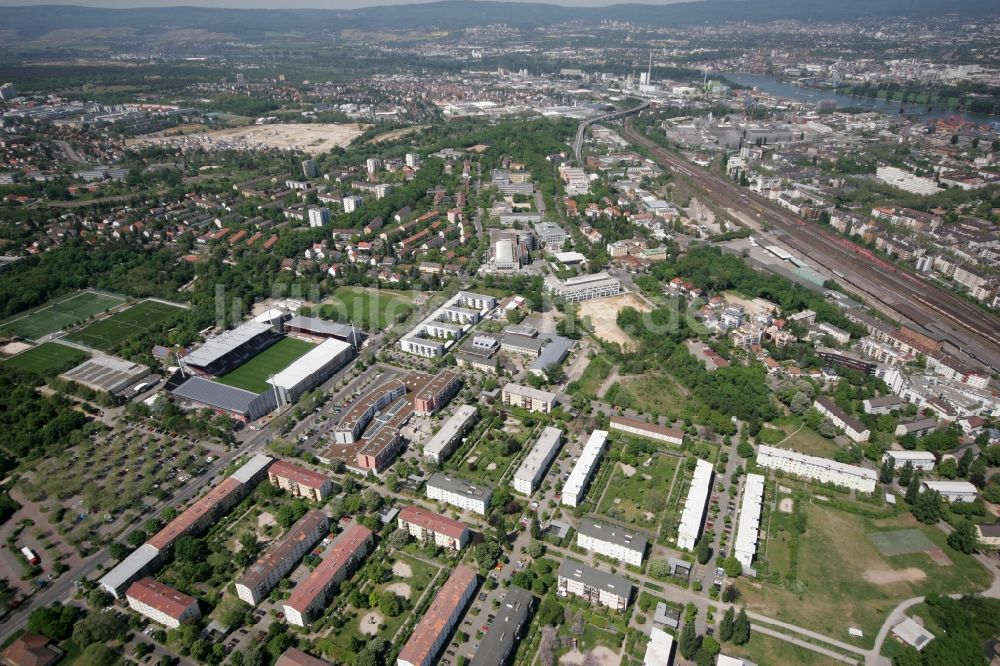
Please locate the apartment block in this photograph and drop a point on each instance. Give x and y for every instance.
(855, 430)
(459, 492)
(526, 397)
(258, 580)
(445, 440)
(425, 525)
(593, 585)
(647, 430)
(534, 466)
(430, 634)
(822, 470)
(299, 481)
(611, 541)
(162, 603)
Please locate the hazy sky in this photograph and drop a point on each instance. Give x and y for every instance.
(288, 4)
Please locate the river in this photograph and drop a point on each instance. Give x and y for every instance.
(779, 88)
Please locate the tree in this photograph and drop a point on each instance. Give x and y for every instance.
(550, 612)
(741, 628)
(913, 490)
(100, 627)
(399, 539)
(732, 567)
(536, 549)
(744, 450)
(706, 651)
(730, 594)
(948, 468)
(689, 642)
(97, 654)
(389, 603)
(727, 625)
(964, 537)
(888, 471)
(190, 549)
(547, 646)
(703, 551)
(55, 622)
(965, 463)
(906, 474)
(929, 507)
(117, 550)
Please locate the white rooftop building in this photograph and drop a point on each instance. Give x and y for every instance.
(660, 650)
(444, 441)
(694, 507)
(818, 469)
(576, 484)
(310, 369)
(532, 470)
(748, 527)
(953, 491)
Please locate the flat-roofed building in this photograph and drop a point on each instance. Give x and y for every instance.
(855, 430)
(505, 632)
(162, 603)
(107, 373)
(748, 526)
(444, 441)
(917, 427)
(436, 393)
(593, 585)
(141, 561)
(235, 402)
(357, 418)
(922, 460)
(660, 649)
(647, 430)
(693, 515)
(296, 657)
(338, 562)
(527, 397)
(576, 485)
(261, 577)
(818, 469)
(459, 492)
(425, 525)
(311, 369)
(883, 405)
(583, 288)
(612, 541)
(513, 343)
(314, 327)
(434, 627)
(529, 475)
(953, 491)
(299, 481)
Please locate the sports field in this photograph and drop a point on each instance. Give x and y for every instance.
(372, 309)
(252, 375)
(48, 357)
(107, 334)
(59, 313)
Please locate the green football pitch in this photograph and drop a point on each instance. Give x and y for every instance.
(252, 375)
(107, 334)
(47, 357)
(59, 313)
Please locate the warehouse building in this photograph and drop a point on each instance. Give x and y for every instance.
(922, 460)
(107, 373)
(526, 397)
(221, 353)
(235, 402)
(748, 528)
(311, 369)
(593, 585)
(693, 515)
(535, 465)
(647, 430)
(505, 632)
(576, 485)
(299, 481)
(339, 561)
(444, 441)
(818, 469)
(162, 603)
(611, 541)
(424, 525)
(261, 577)
(430, 634)
(583, 288)
(459, 492)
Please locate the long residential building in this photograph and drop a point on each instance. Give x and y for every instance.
(611, 541)
(445, 440)
(583, 288)
(198, 517)
(534, 466)
(855, 430)
(436, 393)
(426, 525)
(953, 491)
(526, 397)
(338, 562)
(357, 418)
(299, 481)
(693, 515)
(433, 336)
(922, 460)
(576, 485)
(748, 527)
(459, 492)
(505, 632)
(261, 577)
(162, 603)
(648, 430)
(593, 585)
(432, 631)
(818, 469)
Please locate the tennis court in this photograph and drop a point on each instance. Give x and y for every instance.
(58, 313)
(900, 542)
(252, 375)
(48, 357)
(108, 334)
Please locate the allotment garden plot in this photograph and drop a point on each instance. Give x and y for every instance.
(108, 334)
(639, 494)
(59, 313)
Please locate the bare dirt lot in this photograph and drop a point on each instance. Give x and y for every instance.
(312, 138)
(786, 505)
(399, 589)
(889, 576)
(370, 622)
(402, 569)
(600, 655)
(603, 313)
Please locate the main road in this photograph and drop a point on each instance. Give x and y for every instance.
(969, 327)
(582, 129)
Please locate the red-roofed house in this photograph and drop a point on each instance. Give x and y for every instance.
(31, 650)
(299, 481)
(425, 525)
(162, 603)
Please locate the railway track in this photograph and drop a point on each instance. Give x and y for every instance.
(981, 328)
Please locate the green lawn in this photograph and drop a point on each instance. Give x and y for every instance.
(844, 581)
(763, 649)
(59, 313)
(108, 334)
(253, 375)
(489, 456)
(372, 309)
(47, 358)
(642, 497)
(786, 434)
(597, 371)
(660, 395)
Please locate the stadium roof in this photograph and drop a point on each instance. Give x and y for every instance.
(218, 346)
(321, 326)
(444, 437)
(745, 545)
(311, 362)
(214, 394)
(697, 498)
